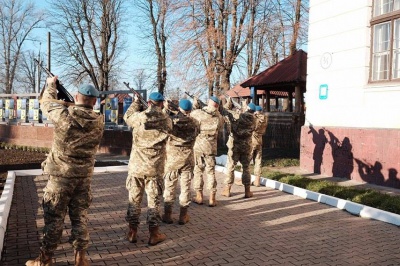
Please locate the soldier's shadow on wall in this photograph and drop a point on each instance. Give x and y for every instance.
(343, 161)
(371, 173)
(393, 180)
(342, 156)
(319, 140)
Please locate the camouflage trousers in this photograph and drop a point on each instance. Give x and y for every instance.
(61, 194)
(257, 157)
(204, 163)
(171, 180)
(153, 186)
(243, 156)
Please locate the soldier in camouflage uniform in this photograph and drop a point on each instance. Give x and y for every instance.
(257, 141)
(180, 161)
(205, 149)
(77, 134)
(150, 132)
(239, 148)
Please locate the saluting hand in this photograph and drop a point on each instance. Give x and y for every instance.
(166, 105)
(52, 79)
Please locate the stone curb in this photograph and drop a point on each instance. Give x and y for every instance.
(5, 205)
(349, 206)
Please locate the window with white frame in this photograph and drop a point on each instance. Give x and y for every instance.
(385, 25)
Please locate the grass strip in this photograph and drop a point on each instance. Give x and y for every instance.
(368, 197)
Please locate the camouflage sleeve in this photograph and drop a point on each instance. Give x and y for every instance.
(265, 124)
(53, 109)
(221, 123)
(169, 124)
(261, 123)
(196, 104)
(131, 114)
(196, 126)
(230, 116)
(170, 112)
(228, 105)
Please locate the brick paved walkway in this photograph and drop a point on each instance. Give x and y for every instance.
(273, 228)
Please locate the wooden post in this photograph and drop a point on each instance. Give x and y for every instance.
(267, 106)
(298, 99)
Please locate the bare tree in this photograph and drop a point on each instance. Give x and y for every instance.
(88, 39)
(17, 20)
(262, 36)
(173, 94)
(272, 23)
(216, 33)
(293, 17)
(140, 79)
(211, 38)
(296, 27)
(29, 76)
(301, 21)
(155, 22)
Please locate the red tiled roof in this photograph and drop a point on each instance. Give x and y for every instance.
(239, 91)
(289, 70)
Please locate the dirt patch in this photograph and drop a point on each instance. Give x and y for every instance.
(20, 157)
(13, 159)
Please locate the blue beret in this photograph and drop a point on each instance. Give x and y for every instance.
(185, 104)
(215, 99)
(88, 90)
(156, 96)
(258, 108)
(252, 106)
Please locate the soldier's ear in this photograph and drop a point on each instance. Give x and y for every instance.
(93, 101)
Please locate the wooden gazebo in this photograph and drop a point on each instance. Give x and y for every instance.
(287, 78)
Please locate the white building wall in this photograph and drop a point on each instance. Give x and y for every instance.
(339, 57)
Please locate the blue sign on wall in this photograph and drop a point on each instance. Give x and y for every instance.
(323, 91)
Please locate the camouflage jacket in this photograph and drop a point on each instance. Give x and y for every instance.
(77, 134)
(150, 131)
(241, 131)
(261, 126)
(211, 123)
(180, 142)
